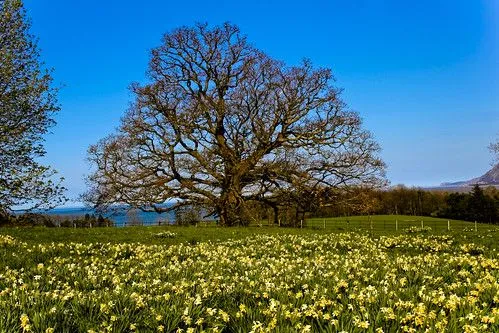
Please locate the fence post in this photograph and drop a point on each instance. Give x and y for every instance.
(396, 224)
(279, 221)
(448, 225)
(422, 226)
(475, 227)
(324, 223)
(301, 224)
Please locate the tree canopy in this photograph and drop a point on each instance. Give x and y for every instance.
(221, 124)
(494, 149)
(27, 105)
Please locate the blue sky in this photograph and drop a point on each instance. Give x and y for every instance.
(424, 75)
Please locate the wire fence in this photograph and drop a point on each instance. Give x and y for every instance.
(376, 224)
(355, 223)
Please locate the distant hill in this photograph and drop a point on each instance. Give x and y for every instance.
(491, 178)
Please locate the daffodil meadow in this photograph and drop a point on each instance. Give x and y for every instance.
(310, 282)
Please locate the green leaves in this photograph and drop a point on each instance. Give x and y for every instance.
(27, 105)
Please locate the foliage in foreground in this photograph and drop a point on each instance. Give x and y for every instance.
(334, 282)
(27, 106)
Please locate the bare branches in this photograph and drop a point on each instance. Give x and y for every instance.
(221, 123)
(494, 149)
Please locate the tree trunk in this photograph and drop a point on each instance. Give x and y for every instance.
(232, 208)
(276, 214)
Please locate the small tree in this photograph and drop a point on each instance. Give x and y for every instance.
(27, 104)
(188, 215)
(494, 149)
(222, 124)
(133, 218)
(481, 207)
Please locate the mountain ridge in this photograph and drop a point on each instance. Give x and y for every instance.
(491, 177)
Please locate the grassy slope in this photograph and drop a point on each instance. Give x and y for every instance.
(389, 223)
(146, 234)
(381, 225)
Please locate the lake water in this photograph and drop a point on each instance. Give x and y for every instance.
(121, 217)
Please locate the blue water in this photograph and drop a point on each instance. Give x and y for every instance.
(121, 217)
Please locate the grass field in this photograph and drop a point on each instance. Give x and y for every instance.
(377, 225)
(143, 234)
(256, 279)
(394, 223)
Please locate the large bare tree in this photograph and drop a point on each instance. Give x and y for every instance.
(221, 124)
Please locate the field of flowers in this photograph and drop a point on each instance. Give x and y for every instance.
(346, 282)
